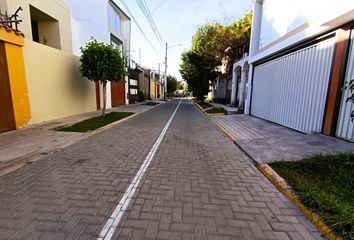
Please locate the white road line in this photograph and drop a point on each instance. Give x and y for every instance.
(112, 223)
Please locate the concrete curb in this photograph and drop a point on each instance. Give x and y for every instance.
(18, 163)
(283, 187)
(215, 114)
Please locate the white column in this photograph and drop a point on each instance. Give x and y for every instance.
(233, 87)
(249, 90)
(241, 92)
(254, 46)
(256, 27)
(108, 96)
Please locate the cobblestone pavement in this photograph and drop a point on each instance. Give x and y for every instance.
(199, 186)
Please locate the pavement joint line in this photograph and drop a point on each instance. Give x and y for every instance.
(112, 223)
(280, 184)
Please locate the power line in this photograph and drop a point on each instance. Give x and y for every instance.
(146, 11)
(136, 22)
(158, 6)
(195, 12)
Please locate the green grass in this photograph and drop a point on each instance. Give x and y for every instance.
(216, 110)
(94, 123)
(325, 184)
(204, 105)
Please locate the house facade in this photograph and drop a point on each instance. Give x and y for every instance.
(53, 85)
(156, 86)
(106, 22)
(298, 62)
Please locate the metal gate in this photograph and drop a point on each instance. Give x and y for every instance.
(291, 90)
(118, 93)
(7, 119)
(345, 127)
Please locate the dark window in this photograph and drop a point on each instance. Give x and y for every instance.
(35, 33)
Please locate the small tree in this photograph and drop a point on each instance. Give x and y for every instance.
(101, 62)
(350, 85)
(171, 85)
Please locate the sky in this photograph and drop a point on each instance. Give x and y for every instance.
(176, 22)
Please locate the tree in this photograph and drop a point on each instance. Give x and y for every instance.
(213, 46)
(180, 85)
(197, 71)
(186, 89)
(225, 43)
(171, 85)
(101, 62)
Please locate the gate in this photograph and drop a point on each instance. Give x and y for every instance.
(7, 119)
(291, 90)
(118, 93)
(345, 127)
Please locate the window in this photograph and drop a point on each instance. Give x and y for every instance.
(133, 91)
(114, 19)
(115, 42)
(133, 82)
(45, 29)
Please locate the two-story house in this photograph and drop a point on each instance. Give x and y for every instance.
(106, 22)
(55, 86)
(301, 53)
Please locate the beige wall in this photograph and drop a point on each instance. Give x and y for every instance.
(56, 88)
(57, 9)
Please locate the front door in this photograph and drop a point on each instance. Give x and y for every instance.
(7, 119)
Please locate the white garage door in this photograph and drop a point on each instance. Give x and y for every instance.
(345, 127)
(291, 90)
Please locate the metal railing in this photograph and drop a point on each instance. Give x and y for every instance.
(12, 21)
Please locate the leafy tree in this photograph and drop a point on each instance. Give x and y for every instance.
(180, 85)
(171, 85)
(197, 71)
(186, 89)
(101, 62)
(213, 46)
(225, 43)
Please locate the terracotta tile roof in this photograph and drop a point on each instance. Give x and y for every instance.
(8, 29)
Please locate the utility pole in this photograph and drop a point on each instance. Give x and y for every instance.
(139, 56)
(164, 96)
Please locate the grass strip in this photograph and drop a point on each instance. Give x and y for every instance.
(94, 123)
(325, 184)
(216, 110)
(204, 105)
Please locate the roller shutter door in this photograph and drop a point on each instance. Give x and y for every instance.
(291, 90)
(345, 127)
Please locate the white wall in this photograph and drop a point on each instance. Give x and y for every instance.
(283, 16)
(89, 19)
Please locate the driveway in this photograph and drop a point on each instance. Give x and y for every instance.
(266, 142)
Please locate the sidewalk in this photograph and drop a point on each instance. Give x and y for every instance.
(23, 146)
(267, 142)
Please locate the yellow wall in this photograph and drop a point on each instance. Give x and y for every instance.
(56, 88)
(17, 76)
(152, 89)
(57, 9)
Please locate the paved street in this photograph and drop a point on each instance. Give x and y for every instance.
(198, 185)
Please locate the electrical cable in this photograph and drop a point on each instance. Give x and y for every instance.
(136, 22)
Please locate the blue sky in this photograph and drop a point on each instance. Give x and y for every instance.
(176, 21)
